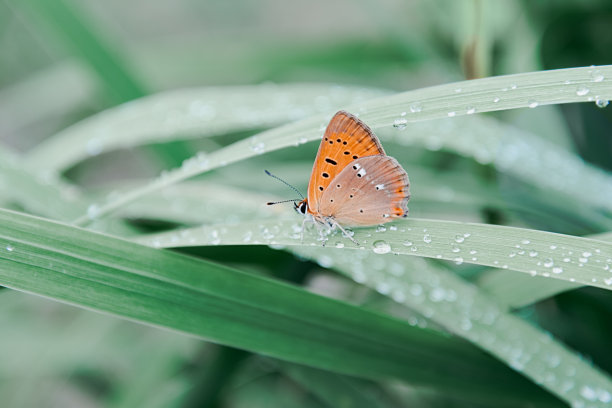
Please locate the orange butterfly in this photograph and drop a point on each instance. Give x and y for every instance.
(353, 182)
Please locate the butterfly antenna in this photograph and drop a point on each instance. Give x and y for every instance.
(284, 201)
(285, 183)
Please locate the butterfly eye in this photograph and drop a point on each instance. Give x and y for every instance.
(303, 208)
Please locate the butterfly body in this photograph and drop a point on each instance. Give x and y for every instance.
(353, 182)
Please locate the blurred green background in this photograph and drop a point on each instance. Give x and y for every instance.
(63, 61)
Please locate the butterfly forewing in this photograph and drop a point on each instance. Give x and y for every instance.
(372, 190)
(346, 139)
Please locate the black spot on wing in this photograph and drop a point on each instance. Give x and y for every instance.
(330, 161)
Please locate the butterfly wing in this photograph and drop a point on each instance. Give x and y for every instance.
(372, 190)
(346, 139)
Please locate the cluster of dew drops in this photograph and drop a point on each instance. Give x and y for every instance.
(596, 76)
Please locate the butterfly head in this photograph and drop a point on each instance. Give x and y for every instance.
(302, 206)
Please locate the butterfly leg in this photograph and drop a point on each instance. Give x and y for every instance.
(346, 234)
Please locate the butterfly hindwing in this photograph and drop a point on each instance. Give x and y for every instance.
(372, 190)
(346, 139)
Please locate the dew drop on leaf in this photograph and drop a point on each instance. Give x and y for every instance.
(381, 247)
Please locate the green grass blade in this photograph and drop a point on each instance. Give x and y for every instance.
(574, 259)
(190, 113)
(488, 142)
(237, 309)
(459, 307)
(69, 25)
(440, 295)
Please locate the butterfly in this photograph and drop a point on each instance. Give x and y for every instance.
(353, 182)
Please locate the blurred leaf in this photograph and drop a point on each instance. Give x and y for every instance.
(489, 142)
(70, 25)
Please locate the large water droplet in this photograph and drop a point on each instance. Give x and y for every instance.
(407, 243)
(381, 247)
(601, 103)
(548, 262)
(427, 238)
(459, 238)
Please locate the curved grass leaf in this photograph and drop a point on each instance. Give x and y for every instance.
(190, 113)
(574, 259)
(440, 295)
(484, 139)
(223, 305)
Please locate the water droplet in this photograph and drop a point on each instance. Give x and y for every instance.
(455, 249)
(10, 248)
(557, 270)
(553, 247)
(586, 254)
(399, 296)
(257, 146)
(437, 295)
(94, 146)
(473, 252)
(339, 245)
(458, 260)
(383, 288)
(407, 243)
(588, 393)
(533, 254)
(381, 247)
(513, 86)
(416, 289)
(416, 107)
(92, 211)
(548, 262)
(470, 110)
(400, 123)
(457, 90)
(381, 228)
(325, 261)
(525, 242)
(427, 238)
(597, 76)
(459, 238)
(532, 104)
(582, 90)
(496, 99)
(451, 114)
(601, 103)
